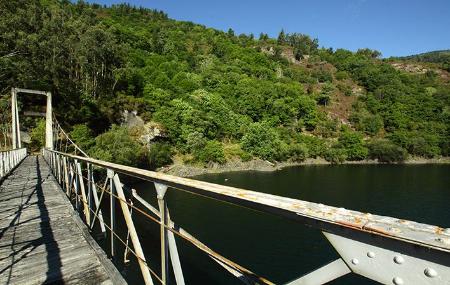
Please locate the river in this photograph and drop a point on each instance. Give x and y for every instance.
(282, 250)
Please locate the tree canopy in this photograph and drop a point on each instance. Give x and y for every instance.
(214, 91)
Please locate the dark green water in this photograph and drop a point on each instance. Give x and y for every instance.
(282, 250)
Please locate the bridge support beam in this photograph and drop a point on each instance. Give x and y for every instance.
(48, 123)
(15, 130)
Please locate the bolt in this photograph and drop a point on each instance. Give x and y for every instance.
(430, 272)
(371, 254)
(398, 259)
(397, 281)
(355, 261)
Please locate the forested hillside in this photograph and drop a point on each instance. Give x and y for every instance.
(441, 57)
(215, 96)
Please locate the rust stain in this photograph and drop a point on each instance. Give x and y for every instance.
(376, 230)
(348, 224)
(357, 220)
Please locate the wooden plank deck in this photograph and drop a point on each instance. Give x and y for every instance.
(41, 239)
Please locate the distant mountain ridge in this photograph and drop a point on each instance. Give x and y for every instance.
(437, 56)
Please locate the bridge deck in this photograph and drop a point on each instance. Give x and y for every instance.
(40, 239)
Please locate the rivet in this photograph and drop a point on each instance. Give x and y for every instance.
(371, 254)
(397, 281)
(443, 240)
(398, 259)
(430, 272)
(355, 261)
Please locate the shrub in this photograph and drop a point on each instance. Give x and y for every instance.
(315, 145)
(82, 136)
(195, 141)
(386, 151)
(326, 128)
(234, 150)
(322, 75)
(212, 152)
(38, 136)
(262, 141)
(352, 143)
(298, 152)
(341, 75)
(116, 145)
(160, 154)
(424, 146)
(335, 155)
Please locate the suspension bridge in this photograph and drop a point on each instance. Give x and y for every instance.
(53, 205)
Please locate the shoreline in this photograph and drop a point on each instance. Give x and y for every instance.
(190, 170)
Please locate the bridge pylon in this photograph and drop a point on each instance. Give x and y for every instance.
(15, 117)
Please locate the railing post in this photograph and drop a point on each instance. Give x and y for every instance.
(89, 176)
(58, 167)
(2, 165)
(66, 176)
(112, 206)
(161, 191)
(97, 202)
(84, 201)
(77, 206)
(133, 234)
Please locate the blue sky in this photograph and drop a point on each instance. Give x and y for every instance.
(394, 27)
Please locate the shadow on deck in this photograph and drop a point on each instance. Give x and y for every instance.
(40, 239)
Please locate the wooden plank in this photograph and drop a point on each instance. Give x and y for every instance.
(42, 240)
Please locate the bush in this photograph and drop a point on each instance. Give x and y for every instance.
(195, 141)
(212, 152)
(82, 136)
(234, 150)
(116, 145)
(38, 136)
(335, 155)
(417, 143)
(262, 141)
(386, 151)
(352, 143)
(341, 75)
(424, 146)
(322, 75)
(315, 145)
(298, 152)
(160, 154)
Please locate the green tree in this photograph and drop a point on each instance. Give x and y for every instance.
(386, 151)
(82, 136)
(336, 155)
(212, 152)
(281, 37)
(262, 141)
(38, 136)
(353, 145)
(118, 146)
(160, 154)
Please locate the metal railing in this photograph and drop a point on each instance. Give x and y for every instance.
(10, 159)
(357, 237)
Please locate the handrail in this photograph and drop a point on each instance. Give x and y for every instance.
(8, 150)
(9, 159)
(320, 216)
(354, 235)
